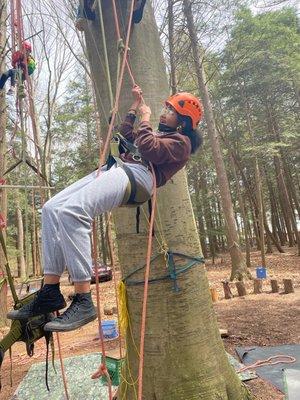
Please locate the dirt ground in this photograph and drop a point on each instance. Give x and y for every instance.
(264, 320)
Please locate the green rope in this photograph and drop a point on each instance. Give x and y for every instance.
(173, 270)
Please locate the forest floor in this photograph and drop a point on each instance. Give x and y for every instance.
(266, 319)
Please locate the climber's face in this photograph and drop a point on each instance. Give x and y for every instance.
(168, 117)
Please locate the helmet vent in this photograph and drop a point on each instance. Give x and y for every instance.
(181, 103)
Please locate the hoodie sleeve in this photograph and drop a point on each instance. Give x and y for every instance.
(162, 149)
(126, 127)
(17, 58)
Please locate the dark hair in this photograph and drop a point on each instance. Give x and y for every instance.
(194, 135)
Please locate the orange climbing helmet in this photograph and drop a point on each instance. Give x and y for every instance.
(27, 46)
(187, 105)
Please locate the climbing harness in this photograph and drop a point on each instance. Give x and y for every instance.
(135, 194)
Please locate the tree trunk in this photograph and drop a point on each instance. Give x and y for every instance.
(238, 265)
(291, 187)
(252, 199)
(173, 80)
(195, 182)
(208, 216)
(3, 193)
(20, 238)
(184, 356)
(287, 207)
(243, 212)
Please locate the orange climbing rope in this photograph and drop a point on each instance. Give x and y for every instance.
(145, 297)
(102, 370)
(119, 88)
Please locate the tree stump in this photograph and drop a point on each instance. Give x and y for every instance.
(257, 286)
(214, 295)
(288, 286)
(274, 286)
(115, 310)
(241, 288)
(227, 290)
(108, 310)
(224, 333)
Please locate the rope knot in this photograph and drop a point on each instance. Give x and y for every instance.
(121, 46)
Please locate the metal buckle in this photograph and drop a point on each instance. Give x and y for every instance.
(136, 158)
(115, 139)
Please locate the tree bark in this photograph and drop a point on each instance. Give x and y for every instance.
(173, 80)
(239, 269)
(243, 212)
(177, 344)
(3, 192)
(20, 239)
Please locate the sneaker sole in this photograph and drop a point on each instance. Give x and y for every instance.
(14, 317)
(50, 326)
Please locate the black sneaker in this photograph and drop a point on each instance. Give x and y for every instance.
(81, 312)
(138, 12)
(47, 300)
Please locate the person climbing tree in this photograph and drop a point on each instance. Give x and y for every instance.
(19, 60)
(67, 217)
(84, 13)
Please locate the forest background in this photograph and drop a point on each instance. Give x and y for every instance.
(249, 53)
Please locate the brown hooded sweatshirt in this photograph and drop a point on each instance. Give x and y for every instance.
(168, 152)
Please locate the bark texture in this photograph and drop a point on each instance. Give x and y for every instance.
(3, 193)
(184, 355)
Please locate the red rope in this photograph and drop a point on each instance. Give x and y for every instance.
(145, 297)
(113, 264)
(102, 370)
(117, 26)
(63, 373)
(119, 87)
(18, 30)
(152, 218)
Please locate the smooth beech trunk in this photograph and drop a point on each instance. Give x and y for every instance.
(3, 192)
(184, 354)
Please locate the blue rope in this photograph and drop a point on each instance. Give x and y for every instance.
(173, 271)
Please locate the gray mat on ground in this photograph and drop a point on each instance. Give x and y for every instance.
(80, 385)
(272, 373)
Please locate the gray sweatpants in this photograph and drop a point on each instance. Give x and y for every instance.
(67, 218)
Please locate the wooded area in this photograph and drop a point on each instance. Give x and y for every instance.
(237, 199)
